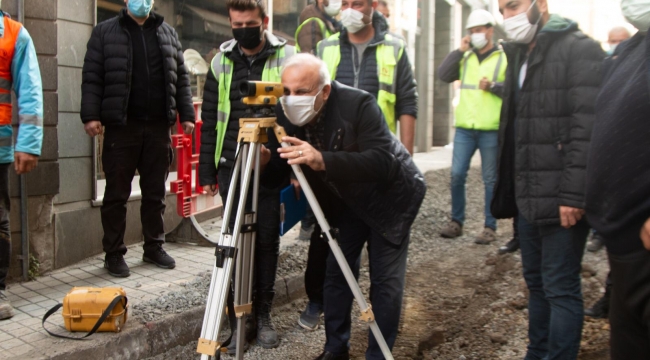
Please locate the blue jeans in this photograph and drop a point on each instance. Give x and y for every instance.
(551, 257)
(465, 144)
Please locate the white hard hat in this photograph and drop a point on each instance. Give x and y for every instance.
(480, 17)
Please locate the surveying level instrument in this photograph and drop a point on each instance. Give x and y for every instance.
(239, 241)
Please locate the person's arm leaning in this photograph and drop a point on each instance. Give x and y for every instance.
(209, 115)
(184, 102)
(29, 91)
(406, 103)
(92, 83)
(584, 77)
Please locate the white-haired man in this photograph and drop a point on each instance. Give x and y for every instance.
(365, 181)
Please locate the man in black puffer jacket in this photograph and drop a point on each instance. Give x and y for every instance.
(552, 81)
(134, 83)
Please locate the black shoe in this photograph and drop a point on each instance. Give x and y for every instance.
(600, 310)
(326, 355)
(159, 257)
(249, 334)
(267, 336)
(116, 266)
(510, 247)
(596, 243)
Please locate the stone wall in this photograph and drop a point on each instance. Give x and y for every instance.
(424, 73)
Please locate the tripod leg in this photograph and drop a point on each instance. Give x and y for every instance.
(366, 311)
(222, 273)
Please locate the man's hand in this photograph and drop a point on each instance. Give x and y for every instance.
(24, 162)
(211, 189)
(407, 132)
(93, 128)
(302, 153)
(569, 216)
(265, 155)
(645, 234)
(188, 127)
(465, 43)
(485, 84)
(296, 187)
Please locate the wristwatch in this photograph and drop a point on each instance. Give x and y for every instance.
(492, 85)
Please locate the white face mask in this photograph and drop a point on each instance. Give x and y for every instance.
(299, 109)
(519, 29)
(479, 40)
(637, 13)
(352, 20)
(334, 8)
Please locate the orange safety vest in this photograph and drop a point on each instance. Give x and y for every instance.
(7, 49)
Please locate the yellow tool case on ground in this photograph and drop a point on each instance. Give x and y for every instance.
(92, 309)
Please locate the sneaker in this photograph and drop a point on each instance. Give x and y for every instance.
(310, 318)
(452, 230)
(510, 247)
(159, 257)
(116, 266)
(600, 310)
(305, 234)
(6, 310)
(596, 243)
(486, 237)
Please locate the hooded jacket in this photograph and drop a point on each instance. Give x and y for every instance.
(107, 73)
(367, 168)
(546, 125)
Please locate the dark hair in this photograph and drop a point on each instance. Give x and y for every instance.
(245, 5)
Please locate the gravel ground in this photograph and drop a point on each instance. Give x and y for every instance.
(462, 301)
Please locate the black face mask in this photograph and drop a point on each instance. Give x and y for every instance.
(248, 37)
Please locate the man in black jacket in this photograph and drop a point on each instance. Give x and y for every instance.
(618, 185)
(366, 183)
(546, 120)
(134, 84)
(254, 54)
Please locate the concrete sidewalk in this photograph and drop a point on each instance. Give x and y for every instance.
(22, 336)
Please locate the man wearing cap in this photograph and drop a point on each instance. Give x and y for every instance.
(481, 67)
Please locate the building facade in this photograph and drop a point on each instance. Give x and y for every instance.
(66, 189)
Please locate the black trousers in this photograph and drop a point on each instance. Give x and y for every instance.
(267, 240)
(387, 279)
(629, 313)
(5, 233)
(145, 147)
(316, 266)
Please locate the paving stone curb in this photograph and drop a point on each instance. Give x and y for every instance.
(140, 341)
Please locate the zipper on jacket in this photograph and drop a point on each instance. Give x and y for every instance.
(129, 74)
(146, 62)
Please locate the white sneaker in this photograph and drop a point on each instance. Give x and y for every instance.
(6, 310)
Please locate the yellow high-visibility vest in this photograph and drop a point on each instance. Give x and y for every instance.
(479, 109)
(389, 52)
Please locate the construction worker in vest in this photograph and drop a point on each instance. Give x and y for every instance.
(18, 70)
(366, 56)
(253, 55)
(317, 22)
(480, 65)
